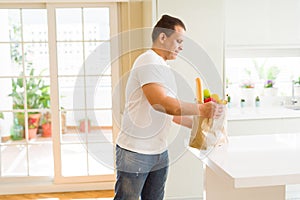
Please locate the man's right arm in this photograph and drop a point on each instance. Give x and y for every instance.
(156, 96)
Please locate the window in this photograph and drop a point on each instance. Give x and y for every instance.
(78, 68)
(25, 89)
(261, 73)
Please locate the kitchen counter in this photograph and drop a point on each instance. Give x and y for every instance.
(252, 167)
(248, 113)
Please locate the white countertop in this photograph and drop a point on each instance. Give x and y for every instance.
(255, 161)
(252, 113)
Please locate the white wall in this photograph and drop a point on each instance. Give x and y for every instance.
(204, 21)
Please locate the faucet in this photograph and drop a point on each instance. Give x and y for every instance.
(293, 100)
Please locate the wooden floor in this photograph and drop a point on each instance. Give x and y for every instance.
(90, 195)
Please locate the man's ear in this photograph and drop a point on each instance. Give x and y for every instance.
(162, 37)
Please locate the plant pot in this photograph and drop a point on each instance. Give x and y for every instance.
(46, 130)
(32, 132)
(83, 124)
(270, 92)
(35, 119)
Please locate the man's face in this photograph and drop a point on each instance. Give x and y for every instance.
(174, 43)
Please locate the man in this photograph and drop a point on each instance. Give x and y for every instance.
(151, 105)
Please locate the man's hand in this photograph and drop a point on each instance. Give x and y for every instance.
(211, 109)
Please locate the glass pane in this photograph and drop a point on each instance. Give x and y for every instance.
(271, 78)
(35, 25)
(70, 58)
(69, 24)
(37, 58)
(6, 126)
(10, 59)
(38, 92)
(45, 129)
(101, 118)
(100, 158)
(41, 160)
(74, 160)
(97, 58)
(99, 92)
(96, 24)
(72, 93)
(76, 127)
(33, 125)
(99, 134)
(6, 102)
(14, 160)
(17, 93)
(10, 24)
(17, 127)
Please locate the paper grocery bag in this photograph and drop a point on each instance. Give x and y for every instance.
(207, 132)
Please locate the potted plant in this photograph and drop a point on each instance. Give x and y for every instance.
(248, 92)
(38, 97)
(297, 87)
(247, 84)
(46, 125)
(33, 124)
(269, 86)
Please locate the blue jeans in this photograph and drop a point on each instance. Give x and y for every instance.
(140, 175)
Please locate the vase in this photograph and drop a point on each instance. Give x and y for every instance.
(32, 132)
(46, 130)
(17, 132)
(270, 92)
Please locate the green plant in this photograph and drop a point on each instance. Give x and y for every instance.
(269, 84)
(257, 98)
(38, 92)
(297, 82)
(1, 115)
(46, 118)
(247, 84)
(269, 74)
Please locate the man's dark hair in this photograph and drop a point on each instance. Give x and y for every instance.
(166, 25)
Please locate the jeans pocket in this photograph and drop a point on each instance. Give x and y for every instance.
(132, 162)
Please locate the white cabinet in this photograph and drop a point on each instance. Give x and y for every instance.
(263, 22)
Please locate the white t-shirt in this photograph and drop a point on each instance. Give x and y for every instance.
(144, 130)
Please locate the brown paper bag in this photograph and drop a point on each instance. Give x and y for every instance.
(207, 132)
